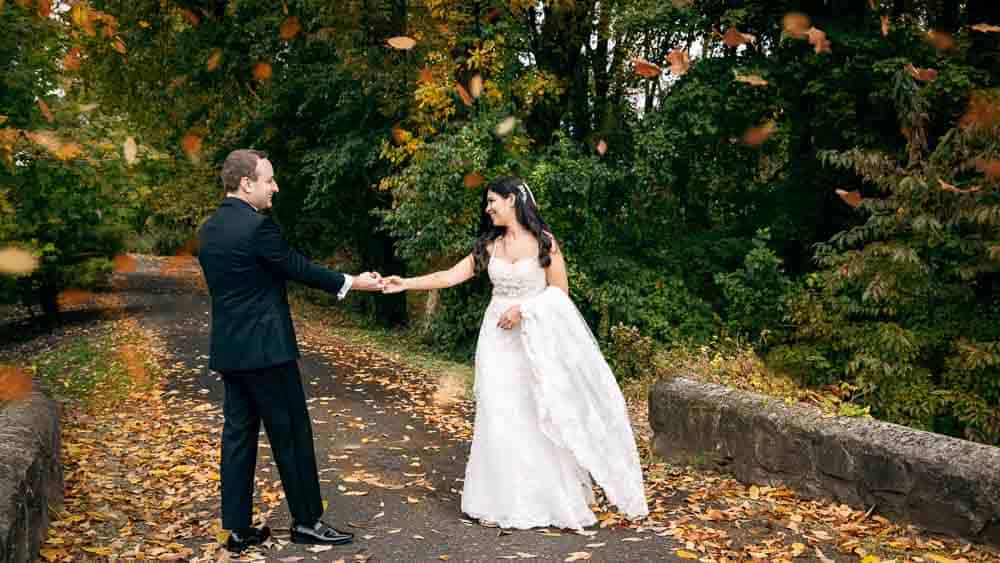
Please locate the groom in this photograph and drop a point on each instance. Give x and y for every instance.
(246, 262)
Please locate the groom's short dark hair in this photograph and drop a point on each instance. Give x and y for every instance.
(241, 163)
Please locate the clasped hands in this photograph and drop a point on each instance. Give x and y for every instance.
(508, 320)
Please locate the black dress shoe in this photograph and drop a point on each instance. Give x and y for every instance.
(320, 533)
(239, 540)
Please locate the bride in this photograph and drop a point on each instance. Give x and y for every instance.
(549, 413)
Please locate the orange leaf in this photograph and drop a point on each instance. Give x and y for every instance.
(951, 188)
(734, 38)
(44, 8)
(473, 180)
(425, 76)
(817, 38)
(191, 17)
(71, 61)
(464, 94)
(751, 79)
(756, 136)
(214, 60)
(645, 68)
(191, 144)
(602, 147)
(118, 45)
(476, 86)
(402, 43)
(679, 61)
(922, 74)
(72, 297)
(17, 262)
(46, 112)
(942, 40)
(983, 111)
(885, 26)
(69, 151)
(986, 28)
(15, 384)
(290, 28)
(262, 71)
(852, 198)
(684, 554)
(399, 135)
(796, 25)
(991, 168)
(124, 264)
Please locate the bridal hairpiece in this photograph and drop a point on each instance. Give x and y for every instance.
(526, 193)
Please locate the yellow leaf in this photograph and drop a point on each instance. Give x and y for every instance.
(871, 559)
(103, 551)
(939, 558)
(684, 554)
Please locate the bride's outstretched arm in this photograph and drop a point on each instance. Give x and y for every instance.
(457, 274)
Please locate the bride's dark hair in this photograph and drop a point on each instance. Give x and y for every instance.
(527, 215)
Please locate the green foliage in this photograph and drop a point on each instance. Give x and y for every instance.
(631, 354)
(755, 294)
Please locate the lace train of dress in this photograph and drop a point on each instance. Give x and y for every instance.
(544, 426)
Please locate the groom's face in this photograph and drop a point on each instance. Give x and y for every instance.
(260, 192)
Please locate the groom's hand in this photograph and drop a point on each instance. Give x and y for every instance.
(368, 281)
(394, 284)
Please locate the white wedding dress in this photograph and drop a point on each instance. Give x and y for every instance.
(549, 413)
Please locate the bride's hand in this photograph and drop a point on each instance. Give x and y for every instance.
(511, 318)
(393, 284)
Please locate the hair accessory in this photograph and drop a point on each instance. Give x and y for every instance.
(526, 192)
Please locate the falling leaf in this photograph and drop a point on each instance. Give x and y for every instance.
(476, 86)
(130, 149)
(262, 71)
(191, 144)
(796, 25)
(951, 188)
(71, 61)
(118, 45)
(751, 79)
(403, 43)
(602, 147)
(43, 8)
(46, 112)
(679, 61)
(464, 94)
(756, 136)
(214, 60)
(124, 263)
(942, 40)
(472, 180)
(645, 68)
(191, 17)
(506, 126)
(734, 38)
(885, 25)
(69, 151)
(290, 28)
(684, 554)
(986, 28)
(817, 38)
(991, 168)
(578, 556)
(852, 198)
(15, 384)
(871, 559)
(425, 76)
(17, 262)
(922, 74)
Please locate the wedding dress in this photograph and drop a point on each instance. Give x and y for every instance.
(549, 413)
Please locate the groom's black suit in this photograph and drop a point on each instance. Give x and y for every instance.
(246, 262)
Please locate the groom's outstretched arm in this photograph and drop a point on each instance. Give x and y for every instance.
(277, 255)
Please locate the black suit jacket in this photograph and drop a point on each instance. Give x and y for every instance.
(246, 262)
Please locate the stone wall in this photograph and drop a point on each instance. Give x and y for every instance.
(939, 483)
(31, 477)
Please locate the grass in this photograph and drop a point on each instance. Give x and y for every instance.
(93, 369)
